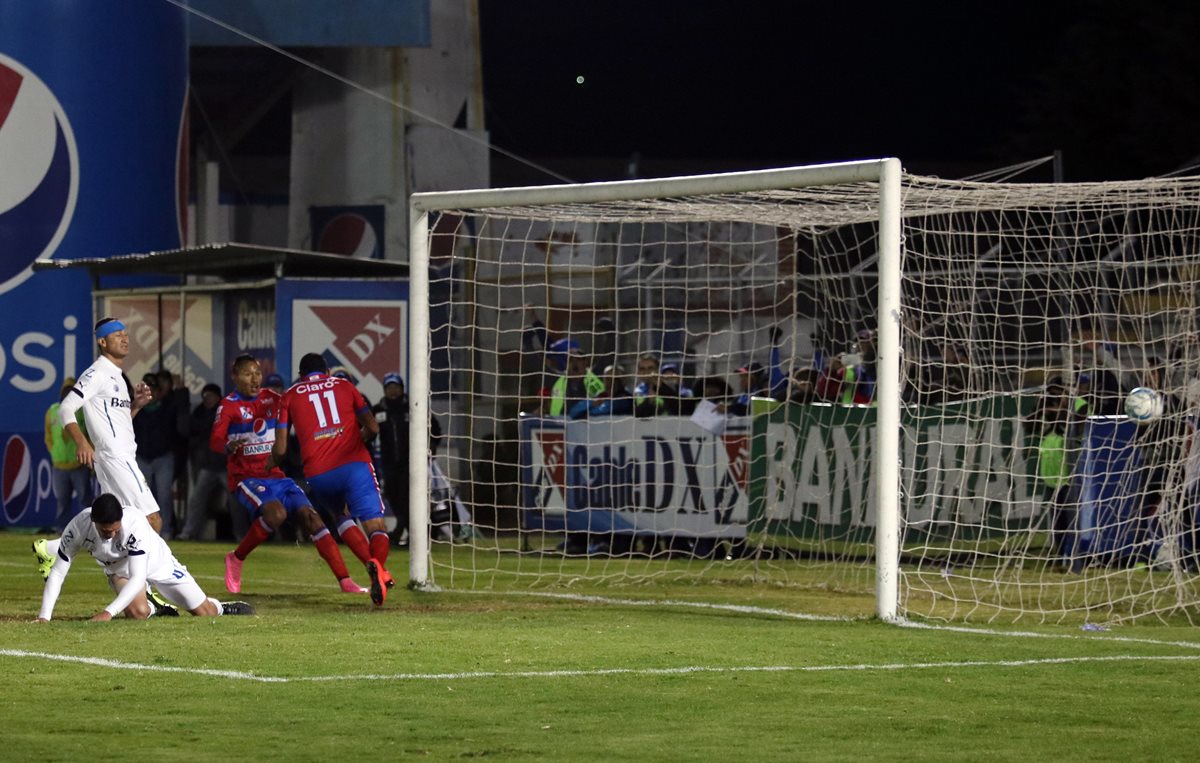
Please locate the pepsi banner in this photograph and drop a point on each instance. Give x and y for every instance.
(660, 476)
(356, 231)
(92, 151)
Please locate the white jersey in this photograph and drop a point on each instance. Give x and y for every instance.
(133, 539)
(104, 394)
(135, 553)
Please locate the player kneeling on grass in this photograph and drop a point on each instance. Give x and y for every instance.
(244, 430)
(131, 554)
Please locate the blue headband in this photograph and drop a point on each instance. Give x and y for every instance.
(111, 327)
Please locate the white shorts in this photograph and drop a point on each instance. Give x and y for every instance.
(124, 479)
(175, 583)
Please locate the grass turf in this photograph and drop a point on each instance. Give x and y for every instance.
(321, 675)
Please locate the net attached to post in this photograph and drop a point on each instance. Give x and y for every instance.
(681, 390)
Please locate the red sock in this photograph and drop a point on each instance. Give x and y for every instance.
(328, 549)
(258, 532)
(354, 538)
(380, 543)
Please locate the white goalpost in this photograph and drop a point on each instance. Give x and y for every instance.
(838, 378)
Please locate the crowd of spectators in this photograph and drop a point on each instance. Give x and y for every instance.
(569, 383)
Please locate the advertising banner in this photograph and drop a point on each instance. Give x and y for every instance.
(1111, 521)
(663, 476)
(250, 330)
(968, 470)
(361, 326)
(351, 231)
(93, 164)
(157, 334)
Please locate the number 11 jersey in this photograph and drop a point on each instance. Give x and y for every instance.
(324, 412)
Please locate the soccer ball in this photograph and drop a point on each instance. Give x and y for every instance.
(1144, 405)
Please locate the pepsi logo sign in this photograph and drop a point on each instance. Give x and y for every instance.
(16, 478)
(41, 172)
(351, 235)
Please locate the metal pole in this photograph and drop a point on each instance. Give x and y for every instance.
(418, 399)
(887, 434)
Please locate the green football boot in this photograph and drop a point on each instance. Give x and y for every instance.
(45, 560)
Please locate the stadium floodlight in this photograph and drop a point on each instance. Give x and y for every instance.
(931, 335)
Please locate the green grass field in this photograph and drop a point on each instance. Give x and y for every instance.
(320, 675)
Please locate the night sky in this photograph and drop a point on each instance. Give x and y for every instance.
(950, 88)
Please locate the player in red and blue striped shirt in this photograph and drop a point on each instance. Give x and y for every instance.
(333, 421)
(244, 430)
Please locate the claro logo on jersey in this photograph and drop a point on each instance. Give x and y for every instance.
(316, 386)
(40, 172)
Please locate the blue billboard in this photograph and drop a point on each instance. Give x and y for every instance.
(92, 142)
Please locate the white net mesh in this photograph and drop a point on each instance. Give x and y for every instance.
(593, 364)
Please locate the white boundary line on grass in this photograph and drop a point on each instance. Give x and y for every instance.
(1036, 634)
(118, 665)
(597, 672)
(745, 609)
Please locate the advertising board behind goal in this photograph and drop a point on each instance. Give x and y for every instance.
(969, 471)
(660, 476)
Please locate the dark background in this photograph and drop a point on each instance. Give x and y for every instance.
(673, 87)
(950, 88)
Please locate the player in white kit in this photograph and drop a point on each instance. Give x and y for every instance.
(109, 403)
(131, 555)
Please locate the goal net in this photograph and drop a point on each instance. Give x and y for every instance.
(896, 395)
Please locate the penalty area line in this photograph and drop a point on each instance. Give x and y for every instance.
(586, 673)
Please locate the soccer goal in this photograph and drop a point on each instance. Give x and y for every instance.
(840, 378)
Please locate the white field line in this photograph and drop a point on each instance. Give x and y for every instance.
(598, 672)
(1036, 634)
(1091, 636)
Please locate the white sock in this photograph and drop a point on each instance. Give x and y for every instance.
(220, 606)
(52, 546)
